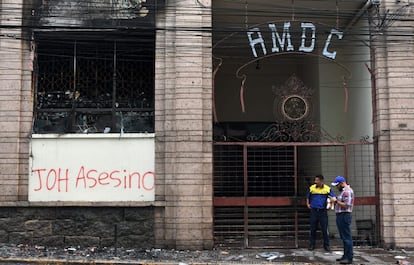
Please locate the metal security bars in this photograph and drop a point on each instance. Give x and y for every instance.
(88, 83)
(260, 190)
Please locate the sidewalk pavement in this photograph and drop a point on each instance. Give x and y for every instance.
(362, 255)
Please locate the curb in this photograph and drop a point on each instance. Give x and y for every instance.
(45, 261)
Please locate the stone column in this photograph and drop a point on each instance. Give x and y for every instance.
(394, 124)
(15, 101)
(183, 125)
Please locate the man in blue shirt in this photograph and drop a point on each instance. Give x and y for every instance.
(316, 201)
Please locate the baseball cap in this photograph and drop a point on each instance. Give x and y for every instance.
(338, 179)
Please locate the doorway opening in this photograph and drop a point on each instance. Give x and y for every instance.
(260, 189)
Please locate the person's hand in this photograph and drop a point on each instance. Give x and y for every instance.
(308, 205)
(333, 199)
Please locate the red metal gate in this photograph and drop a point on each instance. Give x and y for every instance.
(260, 188)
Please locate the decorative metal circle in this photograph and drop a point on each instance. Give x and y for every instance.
(295, 107)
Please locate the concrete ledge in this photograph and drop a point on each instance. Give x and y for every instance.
(82, 203)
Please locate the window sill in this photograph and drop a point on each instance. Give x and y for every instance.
(82, 204)
(92, 135)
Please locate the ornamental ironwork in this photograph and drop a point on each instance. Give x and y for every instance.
(293, 100)
(293, 131)
(90, 84)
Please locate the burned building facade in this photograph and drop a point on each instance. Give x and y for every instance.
(189, 124)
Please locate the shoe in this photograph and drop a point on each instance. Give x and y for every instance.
(345, 261)
(341, 258)
(327, 249)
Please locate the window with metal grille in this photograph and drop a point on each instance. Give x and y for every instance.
(88, 83)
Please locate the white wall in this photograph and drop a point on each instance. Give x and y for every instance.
(93, 167)
(345, 90)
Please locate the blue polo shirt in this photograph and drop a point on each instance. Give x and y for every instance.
(318, 195)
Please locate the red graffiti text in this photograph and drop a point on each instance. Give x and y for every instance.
(64, 179)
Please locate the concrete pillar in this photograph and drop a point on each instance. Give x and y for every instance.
(394, 123)
(183, 125)
(15, 101)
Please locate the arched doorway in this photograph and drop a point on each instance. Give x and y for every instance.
(292, 99)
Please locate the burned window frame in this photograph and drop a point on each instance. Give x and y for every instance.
(88, 82)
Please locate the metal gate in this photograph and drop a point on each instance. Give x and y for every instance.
(260, 188)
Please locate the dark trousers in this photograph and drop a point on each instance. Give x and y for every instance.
(343, 222)
(319, 216)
